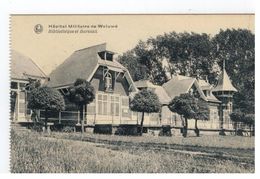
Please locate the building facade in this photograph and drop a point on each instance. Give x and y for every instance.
(112, 82)
(114, 89)
(23, 72)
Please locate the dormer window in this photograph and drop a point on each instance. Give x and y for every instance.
(108, 83)
(106, 55)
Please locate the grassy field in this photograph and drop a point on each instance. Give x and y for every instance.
(59, 152)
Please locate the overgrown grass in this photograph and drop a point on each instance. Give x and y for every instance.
(32, 152)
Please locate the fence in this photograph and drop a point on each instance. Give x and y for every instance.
(73, 117)
(92, 119)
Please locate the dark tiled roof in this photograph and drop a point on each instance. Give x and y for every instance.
(80, 64)
(23, 67)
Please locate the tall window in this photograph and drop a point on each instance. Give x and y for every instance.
(102, 104)
(108, 82)
(114, 105)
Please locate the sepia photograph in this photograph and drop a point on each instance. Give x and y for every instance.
(132, 93)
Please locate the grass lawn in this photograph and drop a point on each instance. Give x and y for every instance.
(60, 152)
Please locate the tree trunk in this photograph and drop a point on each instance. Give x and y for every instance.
(86, 110)
(142, 122)
(235, 124)
(46, 120)
(81, 118)
(197, 131)
(185, 129)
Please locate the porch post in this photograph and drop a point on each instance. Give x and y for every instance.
(59, 117)
(78, 118)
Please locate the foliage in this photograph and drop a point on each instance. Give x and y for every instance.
(189, 107)
(237, 47)
(198, 55)
(46, 98)
(145, 101)
(135, 68)
(237, 116)
(82, 92)
(249, 119)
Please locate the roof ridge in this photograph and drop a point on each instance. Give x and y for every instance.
(91, 46)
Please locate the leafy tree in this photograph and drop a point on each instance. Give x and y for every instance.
(201, 113)
(198, 55)
(47, 99)
(81, 93)
(237, 47)
(186, 53)
(189, 107)
(145, 101)
(146, 63)
(132, 63)
(237, 116)
(247, 119)
(250, 121)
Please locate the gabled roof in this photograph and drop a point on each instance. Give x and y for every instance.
(23, 67)
(159, 90)
(224, 83)
(144, 84)
(81, 64)
(204, 84)
(178, 85)
(164, 98)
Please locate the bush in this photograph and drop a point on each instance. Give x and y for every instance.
(67, 129)
(127, 130)
(103, 129)
(165, 131)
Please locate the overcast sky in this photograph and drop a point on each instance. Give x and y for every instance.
(48, 50)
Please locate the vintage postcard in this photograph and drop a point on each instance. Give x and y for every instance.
(147, 93)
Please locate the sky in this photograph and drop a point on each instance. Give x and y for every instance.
(48, 50)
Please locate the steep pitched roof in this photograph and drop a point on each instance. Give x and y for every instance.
(23, 67)
(224, 83)
(204, 85)
(159, 90)
(164, 98)
(178, 85)
(81, 64)
(144, 84)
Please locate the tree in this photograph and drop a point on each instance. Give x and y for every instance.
(144, 63)
(47, 99)
(237, 116)
(189, 107)
(194, 54)
(250, 121)
(237, 47)
(132, 63)
(201, 113)
(145, 101)
(81, 93)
